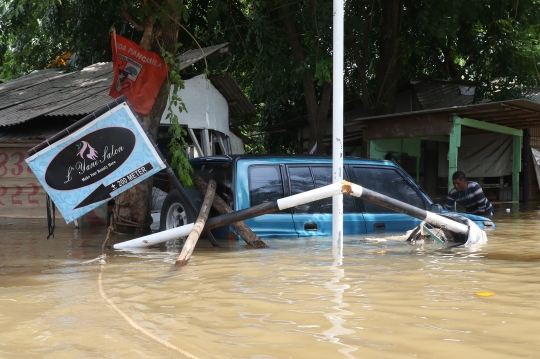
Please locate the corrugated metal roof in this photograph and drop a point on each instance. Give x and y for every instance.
(190, 57)
(53, 92)
(27, 87)
(533, 95)
(27, 80)
(237, 100)
(440, 94)
(85, 105)
(518, 114)
(56, 93)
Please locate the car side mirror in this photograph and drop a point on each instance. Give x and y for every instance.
(435, 208)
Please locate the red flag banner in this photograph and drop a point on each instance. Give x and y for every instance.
(138, 74)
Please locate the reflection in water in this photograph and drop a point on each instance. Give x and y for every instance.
(302, 297)
(336, 318)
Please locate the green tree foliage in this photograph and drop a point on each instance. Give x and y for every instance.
(492, 43)
(288, 59)
(34, 33)
(281, 50)
(374, 52)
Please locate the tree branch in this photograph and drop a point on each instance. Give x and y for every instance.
(131, 21)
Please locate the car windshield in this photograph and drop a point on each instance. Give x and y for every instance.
(418, 187)
(221, 172)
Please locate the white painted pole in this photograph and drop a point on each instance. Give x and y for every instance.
(337, 119)
(430, 217)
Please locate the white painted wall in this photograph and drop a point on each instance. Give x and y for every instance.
(206, 106)
(237, 145)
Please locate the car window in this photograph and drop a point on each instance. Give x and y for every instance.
(323, 177)
(302, 181)
(389, 182)
(265, 184)
(219, 172)
(307, 178)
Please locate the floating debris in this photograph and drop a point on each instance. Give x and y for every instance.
(376, 239)
(98, 260)
(485, 294)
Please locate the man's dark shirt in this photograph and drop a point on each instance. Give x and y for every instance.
(472, 199)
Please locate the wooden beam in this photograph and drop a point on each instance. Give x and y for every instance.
(407, 127)
(492, 115)
(223, 208)
(518, 108)
(516, 166)
(514, 123)
(526, 165)
(515, 117)
(487, 126)
(453, 148)
(195, 233)
(465, 112)
(434, 138)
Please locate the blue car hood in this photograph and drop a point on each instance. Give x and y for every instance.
(473, 217)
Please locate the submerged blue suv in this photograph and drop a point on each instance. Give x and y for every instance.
(244, 181)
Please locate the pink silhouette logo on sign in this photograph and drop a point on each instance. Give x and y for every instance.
(91, 153)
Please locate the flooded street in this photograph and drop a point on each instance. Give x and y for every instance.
(300, 298)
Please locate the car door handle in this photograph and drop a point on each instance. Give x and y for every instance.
(379, 226)
(310, 226)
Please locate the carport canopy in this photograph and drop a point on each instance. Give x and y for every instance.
(509, 117)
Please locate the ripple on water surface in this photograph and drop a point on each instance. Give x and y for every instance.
(298, 298)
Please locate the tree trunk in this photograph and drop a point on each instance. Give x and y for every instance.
(132, 207)
(317, 112)
(360, 46)
(387, 69)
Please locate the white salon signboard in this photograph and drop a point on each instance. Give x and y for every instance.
(96, 162)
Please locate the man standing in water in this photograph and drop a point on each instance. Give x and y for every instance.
(469, 194)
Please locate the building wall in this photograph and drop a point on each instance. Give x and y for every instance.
(237, 145)
(21, 194)
(535, 138)
(23, 197)
(206, 106)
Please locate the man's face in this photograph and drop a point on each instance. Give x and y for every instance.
(460, 184)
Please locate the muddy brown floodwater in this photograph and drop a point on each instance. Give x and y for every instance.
(299, 298)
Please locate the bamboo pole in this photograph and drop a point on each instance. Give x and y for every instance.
(198, 227)
(222, 207)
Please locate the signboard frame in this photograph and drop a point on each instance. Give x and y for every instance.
(95, 159)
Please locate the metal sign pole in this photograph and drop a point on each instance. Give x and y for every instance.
(337, 120)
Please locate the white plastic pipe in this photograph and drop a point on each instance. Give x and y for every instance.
(156, 238)
(305, 197)
(310, 196)
(280, 204)
(430, 217)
